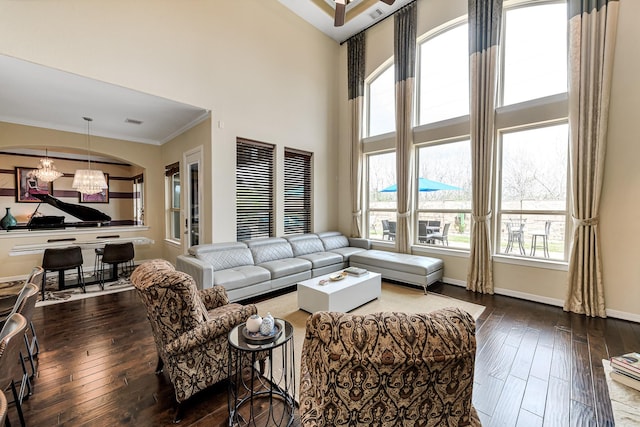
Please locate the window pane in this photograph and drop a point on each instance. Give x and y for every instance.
(175, 191)
(382, 195)
(443, 166)
(297, 192)
(444, 76)
(533, 199)
(382, 115)
(444, 196)
(175, 225)
(254, 189)
(534, 169)
(194, 231)
(539, 236)
(535, 62)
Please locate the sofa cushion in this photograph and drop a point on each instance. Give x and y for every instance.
(303, 244)
(239, 277)
(346, 252)
(286, 266)
(269, 249)
(223, 256)
(412, 264)
(333, 240)
(322, 259)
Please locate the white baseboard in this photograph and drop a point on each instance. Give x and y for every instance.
(617, 314)
(623, 315)
(456, 282)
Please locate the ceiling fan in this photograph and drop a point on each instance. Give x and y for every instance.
(341, 9)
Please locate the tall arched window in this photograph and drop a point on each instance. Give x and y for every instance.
(381, 103)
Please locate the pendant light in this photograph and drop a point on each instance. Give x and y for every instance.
(89, 181)
(46, 171)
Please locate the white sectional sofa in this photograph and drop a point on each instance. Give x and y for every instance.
(258, 266)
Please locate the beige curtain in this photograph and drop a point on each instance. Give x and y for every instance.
(484, 31)
(405, 64)
(356, 64)
(592, 34)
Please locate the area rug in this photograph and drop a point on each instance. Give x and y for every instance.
(55, 296)
(393, 298)
(9, 290)
(625, 401)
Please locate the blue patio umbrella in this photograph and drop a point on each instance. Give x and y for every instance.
(424, 186)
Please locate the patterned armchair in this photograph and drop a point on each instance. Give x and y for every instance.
(190, 327)
(388, 369)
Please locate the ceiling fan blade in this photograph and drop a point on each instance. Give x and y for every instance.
(389, 2)
(341, 9)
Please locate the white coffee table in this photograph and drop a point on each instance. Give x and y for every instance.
(342, 295)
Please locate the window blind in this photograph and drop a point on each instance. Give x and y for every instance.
(254, 189)
(297, 191)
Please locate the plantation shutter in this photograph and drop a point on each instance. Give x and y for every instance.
(297, 191)
(254, 187)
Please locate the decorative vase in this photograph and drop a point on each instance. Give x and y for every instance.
(253, 323)
(267, 324)
(8, 220)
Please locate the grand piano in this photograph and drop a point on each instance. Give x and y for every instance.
(89, 217)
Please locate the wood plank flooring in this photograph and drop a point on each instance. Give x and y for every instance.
(536, 366)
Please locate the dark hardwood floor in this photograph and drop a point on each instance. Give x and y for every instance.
(536, 366)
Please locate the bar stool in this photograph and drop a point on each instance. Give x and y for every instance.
(96, 262)
(61, 259)
(114, 254)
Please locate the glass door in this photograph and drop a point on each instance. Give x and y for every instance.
(193, 228)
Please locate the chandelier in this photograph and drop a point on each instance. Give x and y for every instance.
(89, 181)
(46, 171)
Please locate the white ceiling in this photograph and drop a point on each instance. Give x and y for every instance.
(35, 95)
(360, 14)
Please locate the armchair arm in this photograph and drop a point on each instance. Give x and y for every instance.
(223, 320)
(214, 297)
(204, 333)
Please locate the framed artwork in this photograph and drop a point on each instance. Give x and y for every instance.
(27, 184)
(102, 197)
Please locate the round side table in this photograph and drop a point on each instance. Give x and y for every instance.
(261, 395)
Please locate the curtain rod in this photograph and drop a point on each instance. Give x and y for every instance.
(377, 22)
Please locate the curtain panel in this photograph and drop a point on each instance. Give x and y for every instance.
(484, 31)
(405, 66)
(356, 68)
(592, 34)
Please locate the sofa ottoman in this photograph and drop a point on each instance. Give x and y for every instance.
(414, 269)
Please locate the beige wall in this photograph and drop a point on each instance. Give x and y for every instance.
(198, 137)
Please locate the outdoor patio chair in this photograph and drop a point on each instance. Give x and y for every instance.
(392, 230)
(545, 240)
(515, 233)
(441, 237)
